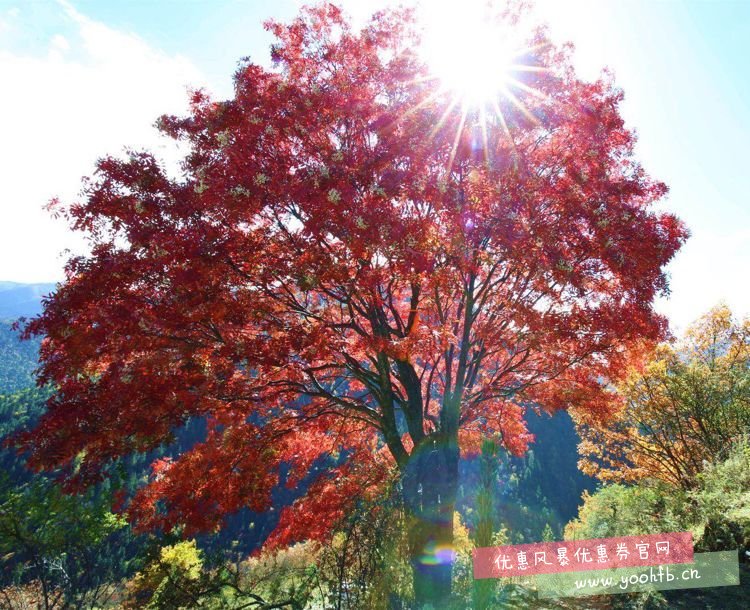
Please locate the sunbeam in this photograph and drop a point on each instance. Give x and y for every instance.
(478, 61)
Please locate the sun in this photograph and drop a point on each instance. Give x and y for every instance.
(478, 56)
(471, 56)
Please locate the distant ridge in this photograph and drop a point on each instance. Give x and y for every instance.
(18, 299)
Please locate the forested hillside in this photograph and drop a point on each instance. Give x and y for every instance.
(538, 491)
(18, 300)
(18, 359)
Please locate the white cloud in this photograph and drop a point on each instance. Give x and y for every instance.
(60, 43)
(91, 91)
(709, 269)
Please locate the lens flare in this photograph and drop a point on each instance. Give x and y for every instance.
(481, 57)
(468, 52)
(435, 555)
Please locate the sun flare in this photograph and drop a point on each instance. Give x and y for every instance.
(473, 63)
(482, 60)
(473, 57)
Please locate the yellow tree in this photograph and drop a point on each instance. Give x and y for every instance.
(679, 408)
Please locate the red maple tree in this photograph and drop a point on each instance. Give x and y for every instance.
(350, 263)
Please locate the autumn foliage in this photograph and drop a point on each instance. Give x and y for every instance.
(349, 266)
(682, 407)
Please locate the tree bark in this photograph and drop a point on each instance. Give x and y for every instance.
(429, 484)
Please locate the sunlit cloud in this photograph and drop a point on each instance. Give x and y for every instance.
(84, 90)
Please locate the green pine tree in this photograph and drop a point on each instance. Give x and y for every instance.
(548, 535)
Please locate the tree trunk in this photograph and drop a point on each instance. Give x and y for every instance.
(430, 481)
(488, 467)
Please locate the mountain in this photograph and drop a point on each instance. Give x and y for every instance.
(550, 469)
(18, 300)
(18, 359)
(544, 487)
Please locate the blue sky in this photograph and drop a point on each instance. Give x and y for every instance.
(84, 78)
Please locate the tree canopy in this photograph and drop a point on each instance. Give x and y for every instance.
(680, 408)
(351, 263)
